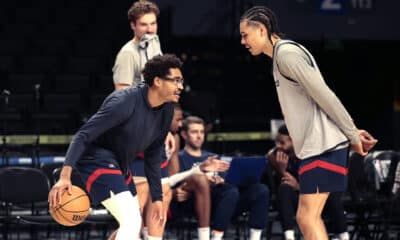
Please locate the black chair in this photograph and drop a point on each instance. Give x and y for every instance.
(361, 202)
(32, 15)
(181, 227)
(389, 192)
(25, 82)
(49, 168)
(7, 63)
(83, 65)
(71, 83)
(24, 192)
(369, 187)
(40, 64)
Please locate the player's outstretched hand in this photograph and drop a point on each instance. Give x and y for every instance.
(212, 164)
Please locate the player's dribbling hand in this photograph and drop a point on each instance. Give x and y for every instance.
(57, 190)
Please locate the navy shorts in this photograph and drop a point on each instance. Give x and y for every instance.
(101, 177)
(137, 168)
(324, 173)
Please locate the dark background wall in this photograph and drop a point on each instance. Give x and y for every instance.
(69, 47)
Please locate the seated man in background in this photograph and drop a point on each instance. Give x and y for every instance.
(283, 159)
(227, 200)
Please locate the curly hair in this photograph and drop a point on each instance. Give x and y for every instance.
(265, 16)
(159, 66)
(283, 130)
(140, 8)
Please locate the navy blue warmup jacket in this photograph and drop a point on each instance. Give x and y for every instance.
(125, 125)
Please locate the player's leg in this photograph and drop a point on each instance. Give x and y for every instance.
(199, 185)
(155, 227)
(287, 207)
(106, 184)
(309, 216)
(198, 204)
(142, 189)
(224, 203)
(335, 211)
(254, 198)
(318, 176)
(113, 235)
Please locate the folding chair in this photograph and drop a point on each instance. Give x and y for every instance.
(24, 192)
(369, 188)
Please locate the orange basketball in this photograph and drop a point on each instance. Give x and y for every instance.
(73, 209)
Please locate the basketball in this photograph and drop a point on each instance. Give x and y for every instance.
(73, 208)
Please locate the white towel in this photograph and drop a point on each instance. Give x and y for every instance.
(149, 47)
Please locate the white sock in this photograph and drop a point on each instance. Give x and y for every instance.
(145, 233)
(344, 236)
(217, 235)
(153, 238)
(204, 233)
(289, 234)
(255, 234)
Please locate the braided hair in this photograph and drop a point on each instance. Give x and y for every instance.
(262, 15)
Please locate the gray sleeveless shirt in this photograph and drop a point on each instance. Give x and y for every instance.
(316, 119)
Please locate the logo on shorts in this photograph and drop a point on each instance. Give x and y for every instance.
(111, 165)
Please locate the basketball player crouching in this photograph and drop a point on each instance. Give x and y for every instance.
(129, 121)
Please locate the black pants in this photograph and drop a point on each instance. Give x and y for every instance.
(287, 206)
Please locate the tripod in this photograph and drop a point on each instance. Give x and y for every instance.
(5, 94)
(36, 151)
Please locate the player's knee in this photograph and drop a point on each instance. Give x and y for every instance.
(200, 182)
(304, 219)
(129, 224)
(130, 217)
(231, 195)
(301, 220)
(262, 192)
(125, 209)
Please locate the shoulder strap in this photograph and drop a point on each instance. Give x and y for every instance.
(299, 46)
